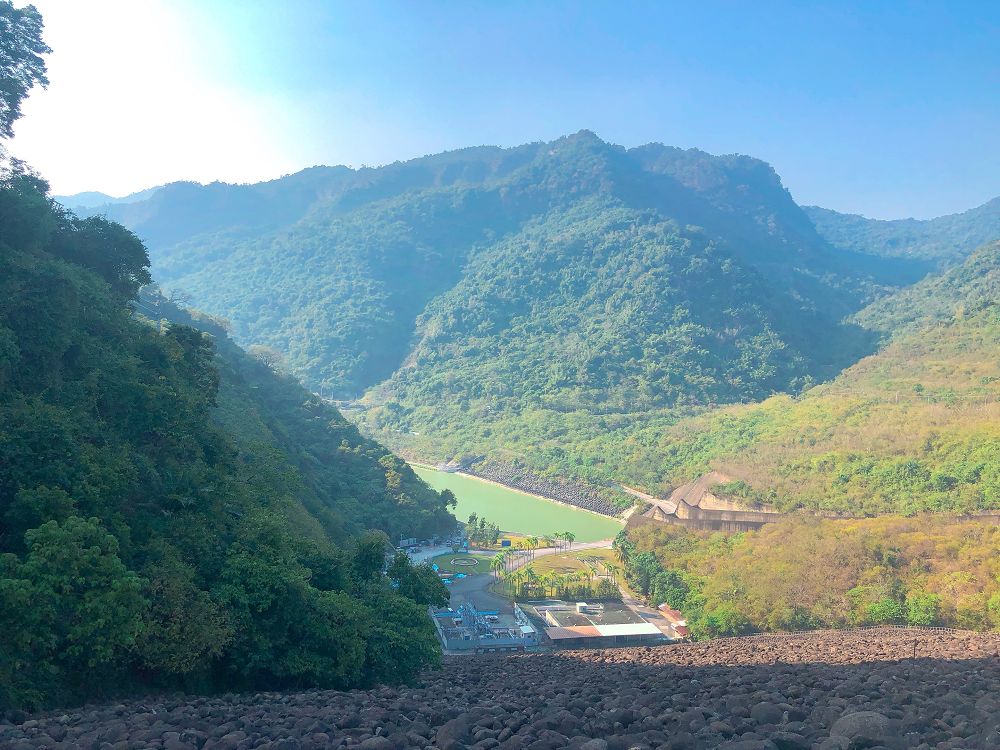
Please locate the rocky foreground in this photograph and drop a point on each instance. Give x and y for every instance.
(870, 689)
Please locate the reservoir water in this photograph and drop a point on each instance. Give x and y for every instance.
(516, 511)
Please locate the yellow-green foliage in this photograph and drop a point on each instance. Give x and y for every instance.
(807, 572)
(912, 428)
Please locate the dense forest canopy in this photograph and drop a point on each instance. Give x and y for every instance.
(588, 311)
(944, 240)
(173, 512)
(913, 427)
(343, 270)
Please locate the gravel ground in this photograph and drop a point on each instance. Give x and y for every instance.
(831, 691)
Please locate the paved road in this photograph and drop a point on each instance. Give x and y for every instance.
(474, 588)
(426, 553)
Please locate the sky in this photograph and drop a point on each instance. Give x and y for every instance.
(887, 109)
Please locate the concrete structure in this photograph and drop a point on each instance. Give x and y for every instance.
(695, 505)
(470, 630)
(591, 625)
(677, 621)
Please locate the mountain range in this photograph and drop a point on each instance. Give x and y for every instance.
(568, 306)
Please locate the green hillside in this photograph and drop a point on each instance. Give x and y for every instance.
(173, 514)
(944, 240)
(348, 482)
(913, 427)
(802, 573)
(345, 271)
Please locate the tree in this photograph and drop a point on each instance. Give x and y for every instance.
(623, 547)
(267, 356)
(613, 571)
(669, 587)
(21, 63)
(369, 554)
(91, 606)
(884, 611)
(418, 583)
(497, 563)
(644, 566)
(922, 608)
(108, 249)
(532, 546)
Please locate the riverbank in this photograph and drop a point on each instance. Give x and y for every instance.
(622, 517)
(518, 511)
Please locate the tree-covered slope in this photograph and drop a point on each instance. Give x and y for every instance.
(802, 573)
(944, 240)
(606, 308)
(913, 427)
(348, 482)
(341, 270)
(174, 517)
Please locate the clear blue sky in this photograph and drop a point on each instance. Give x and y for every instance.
(888, 109)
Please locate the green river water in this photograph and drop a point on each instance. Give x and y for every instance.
(517, 512)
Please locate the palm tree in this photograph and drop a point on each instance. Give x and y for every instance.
(622, 550)
(533, 544)
(613, 571)
(548, 581)
(570, 537)
(549, 540)
(497, 563)
(530, 577)
(511, 580)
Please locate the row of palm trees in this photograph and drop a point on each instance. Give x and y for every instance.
(506, 560)
(526, 581)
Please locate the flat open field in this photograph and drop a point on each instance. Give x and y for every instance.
(444, 563)
(571, 562)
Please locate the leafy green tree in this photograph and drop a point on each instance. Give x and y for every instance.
(922, 608)
(885, 611)
(90, 604)
(419, 583)
(669, 587)
(184, 628)
(369, 555)
(108, 249)
(21, 63)
(721, 620)
(402, 641)
(284, 630)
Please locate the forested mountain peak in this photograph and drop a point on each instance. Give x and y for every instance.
(489, 290)
(356, 256)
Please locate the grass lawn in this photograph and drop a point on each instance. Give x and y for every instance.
(571, 562)
(444, 563)
(558, 563)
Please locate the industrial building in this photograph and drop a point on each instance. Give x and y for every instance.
(590, 625)
(472, 630)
